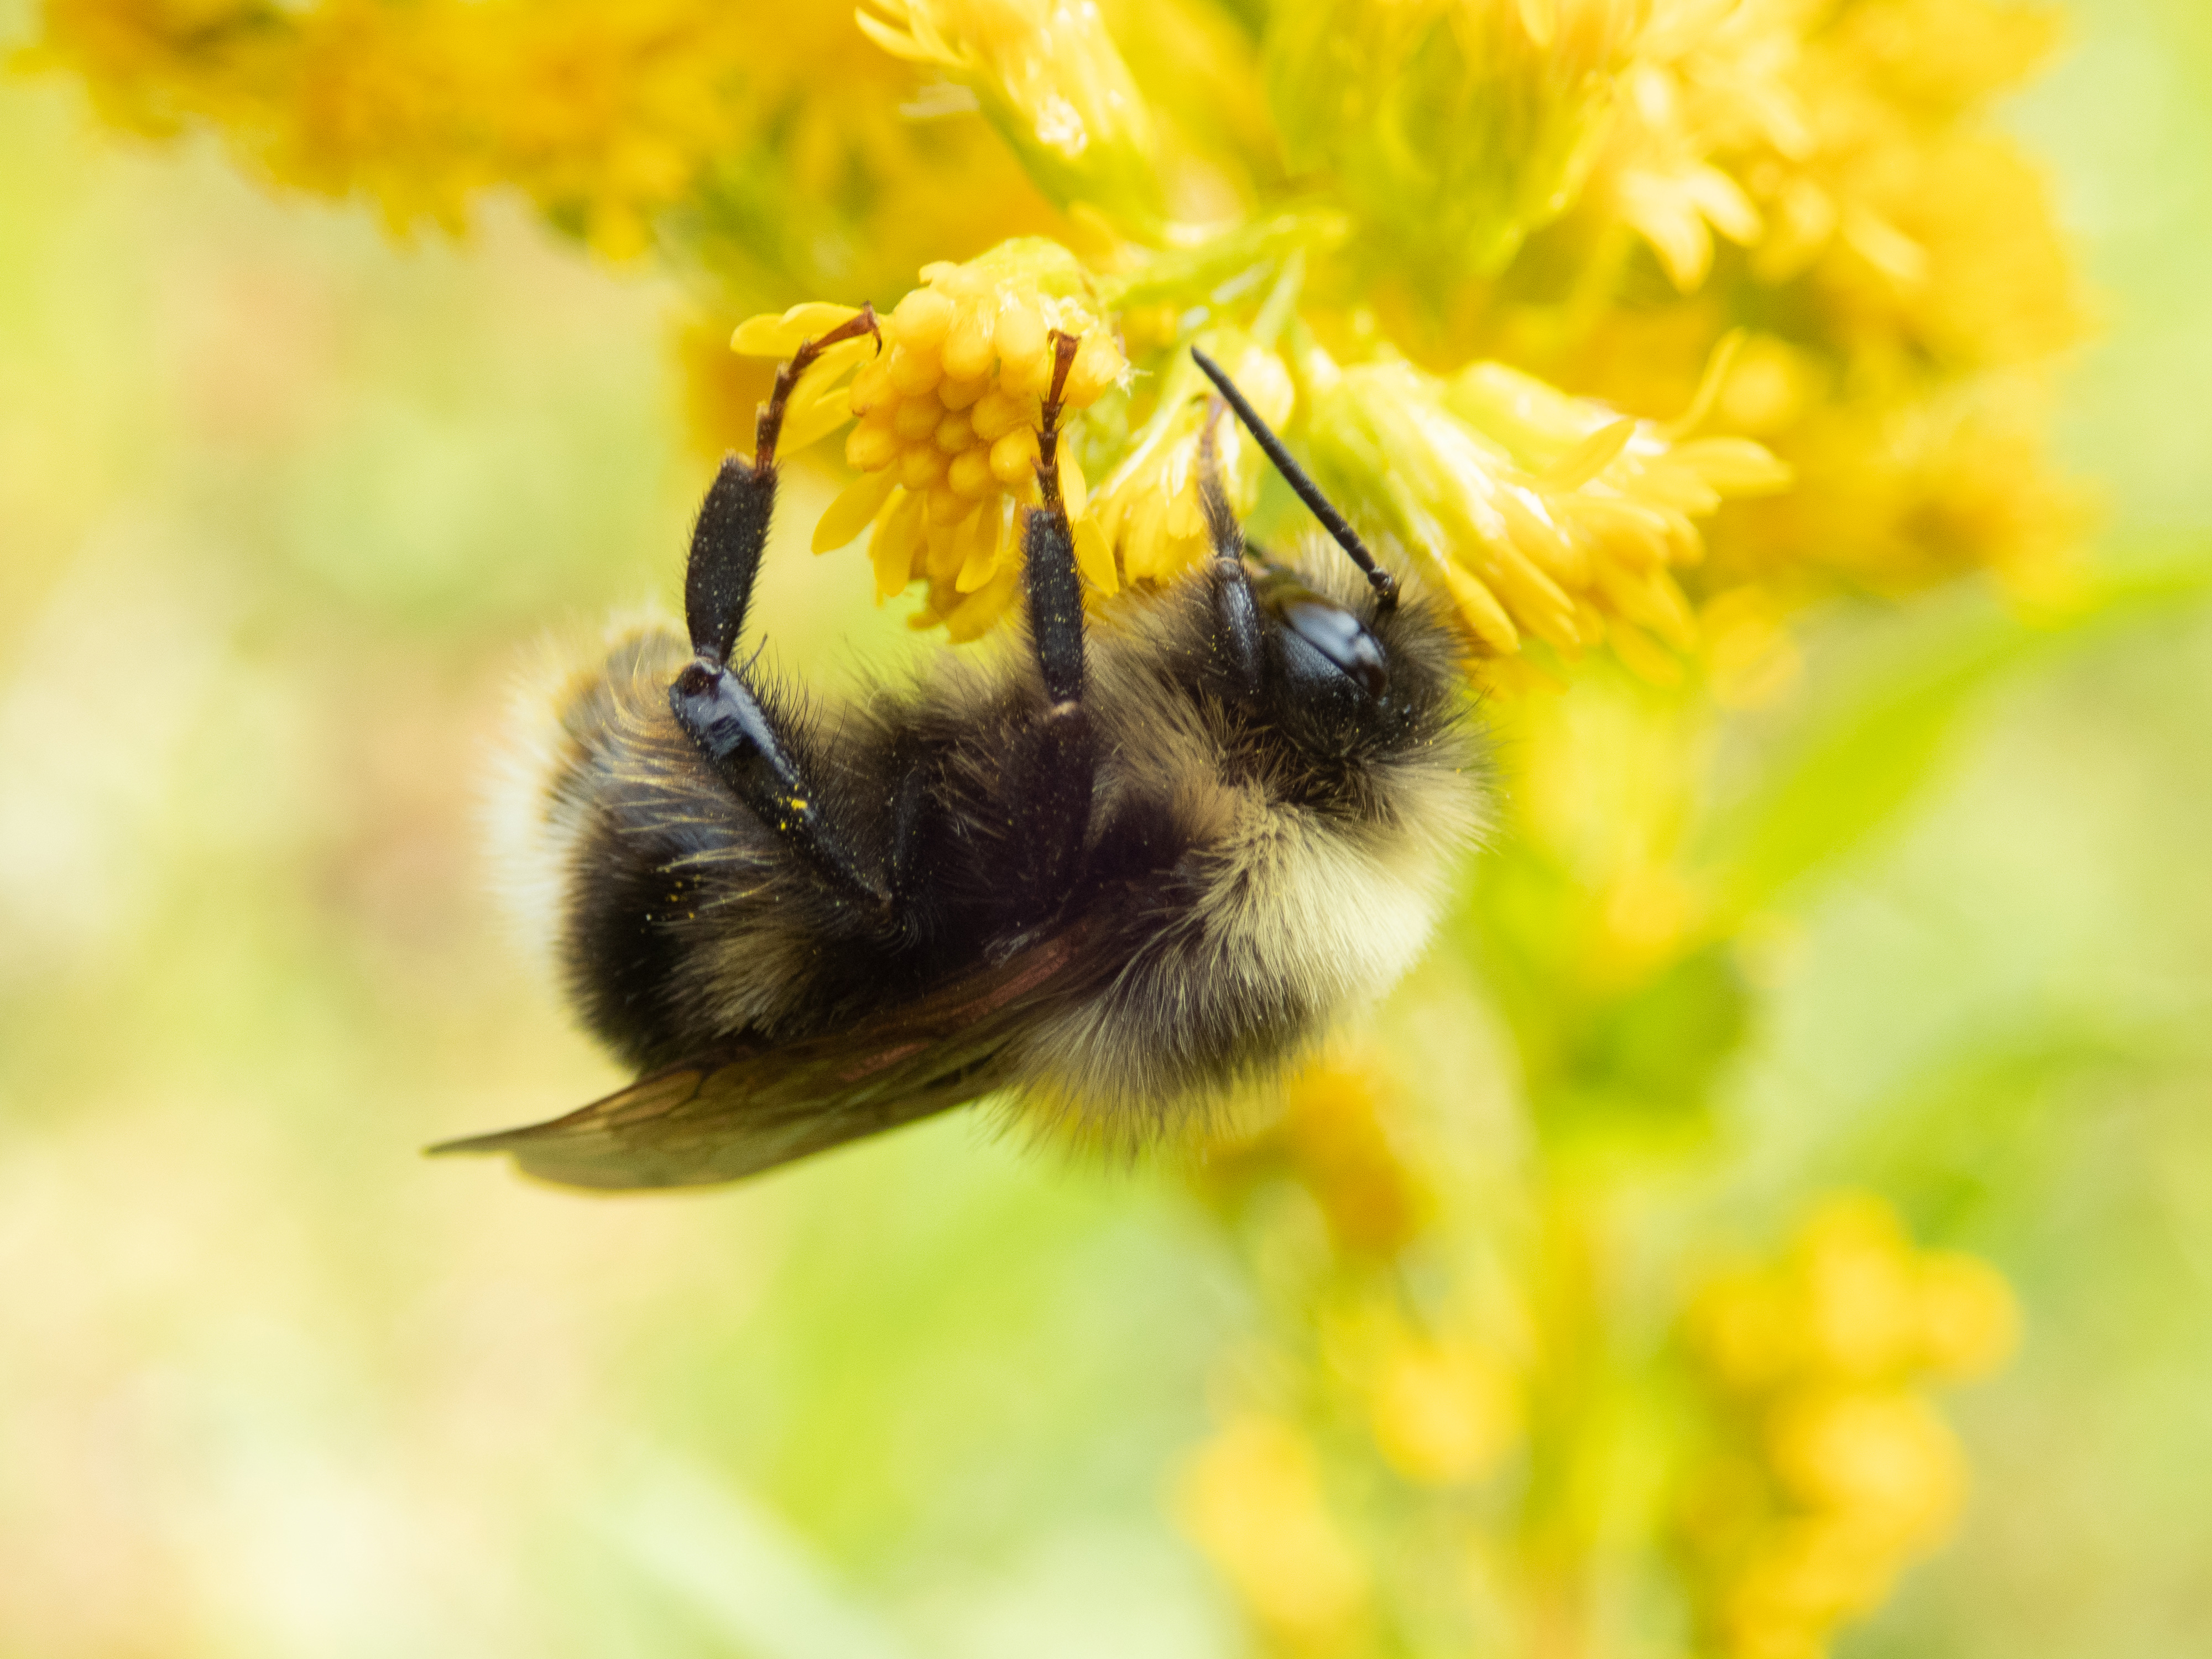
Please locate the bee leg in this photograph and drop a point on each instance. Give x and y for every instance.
(1053, 807)
(732, 528)
(1236, 641)
(719, 714)
(710, 699)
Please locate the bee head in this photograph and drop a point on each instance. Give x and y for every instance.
(1324, 660)
(1336, 663)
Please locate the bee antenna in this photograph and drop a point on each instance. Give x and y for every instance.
(1385, 585)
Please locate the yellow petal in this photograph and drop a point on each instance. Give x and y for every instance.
(1534, 599)
(917, 418)
(1734, 467)
(1627, 530)
(972, 617)
(996, 414)
(771, 336)
(853, 511)
(942, 554)
(1094, 556)
(1535, 533)
(1717, 365)
(893, 547)
(1479, 610)
(1024, 363)
(835, 363)
(920, 465)
(1723, 201)
(955, 392)
(1667, 486)
(979, 550)
(1098, 363)
(871, 386)
(1642, 655)
(1591, 456)
(1014, 457)
(810, 425)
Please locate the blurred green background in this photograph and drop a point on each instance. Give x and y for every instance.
(282, 507)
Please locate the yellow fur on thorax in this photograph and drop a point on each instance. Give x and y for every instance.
(1290, 900)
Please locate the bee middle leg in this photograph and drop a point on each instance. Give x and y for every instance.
(710, 698)
(1052, 802)
(1236, 635)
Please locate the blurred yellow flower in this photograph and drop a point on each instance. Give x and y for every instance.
(1335, 1139)
(1829, 1470)
(1524, 89)
(1052, 80)
(1251, 1498)
(1443, 1413)
(673, 123)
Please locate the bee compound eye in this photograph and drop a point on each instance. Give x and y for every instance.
(1342, 640)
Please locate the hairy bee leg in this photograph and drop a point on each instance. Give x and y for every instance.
(1055, 587)
(732, 532)
(726, 543)
(710, 699)
(1055, 805)
(1236, 641)
(721, 714)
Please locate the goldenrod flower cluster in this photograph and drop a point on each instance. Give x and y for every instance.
(1829, 1469)
(948, 414)
(1439, 207)
(1560, 516)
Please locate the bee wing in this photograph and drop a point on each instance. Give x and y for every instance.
(749, 1107)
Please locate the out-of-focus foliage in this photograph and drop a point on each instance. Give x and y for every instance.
(1604, 1295)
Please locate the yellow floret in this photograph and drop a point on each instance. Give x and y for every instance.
(948, 414)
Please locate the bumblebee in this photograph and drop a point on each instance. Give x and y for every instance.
(1115, 872)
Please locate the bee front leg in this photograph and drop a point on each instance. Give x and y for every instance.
(710, 699)
(1236, 637)
(721, 714)
(731, 532)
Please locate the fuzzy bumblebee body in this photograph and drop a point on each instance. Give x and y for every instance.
(1115, 875)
